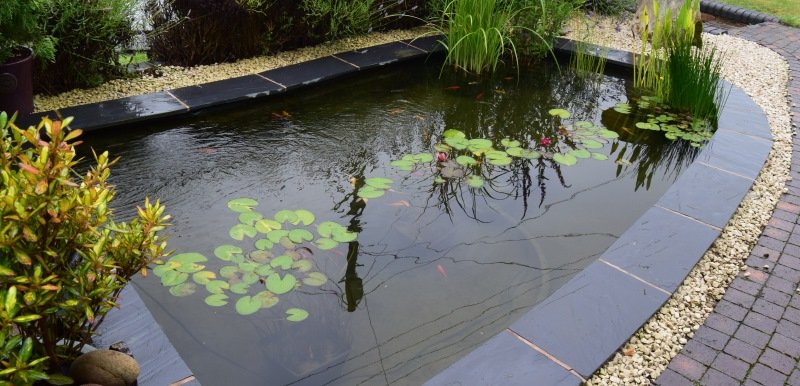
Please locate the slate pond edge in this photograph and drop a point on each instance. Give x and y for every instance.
(563, 343)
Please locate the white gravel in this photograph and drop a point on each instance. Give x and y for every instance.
(762, 74)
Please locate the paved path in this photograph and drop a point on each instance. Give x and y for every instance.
(753, 335)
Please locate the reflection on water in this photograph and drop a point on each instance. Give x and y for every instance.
(437, 268)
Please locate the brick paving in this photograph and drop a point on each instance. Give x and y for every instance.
(753, 335)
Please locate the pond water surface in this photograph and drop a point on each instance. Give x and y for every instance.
(438, 266)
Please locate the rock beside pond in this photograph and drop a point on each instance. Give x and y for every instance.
(105, 367)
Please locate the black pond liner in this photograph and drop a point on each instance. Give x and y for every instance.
(565, 338)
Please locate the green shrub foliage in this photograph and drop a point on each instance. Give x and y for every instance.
(87, 35)
(63, 259)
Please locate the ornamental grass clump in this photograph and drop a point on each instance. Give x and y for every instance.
(63, 258)
(477, 34)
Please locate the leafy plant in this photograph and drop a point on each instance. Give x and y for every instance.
(338, 18)
(21, 26)
(88, 35)
(59, 244)
(588, 61)
(609, 7)
(538, 22)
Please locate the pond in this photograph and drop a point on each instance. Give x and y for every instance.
(375, 230)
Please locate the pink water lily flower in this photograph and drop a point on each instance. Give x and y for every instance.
(441, 156)
(545, 141)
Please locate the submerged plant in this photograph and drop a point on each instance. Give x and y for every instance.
(588, 61)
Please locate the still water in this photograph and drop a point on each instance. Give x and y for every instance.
(438, 266)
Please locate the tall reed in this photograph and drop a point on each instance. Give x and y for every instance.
(477, 33)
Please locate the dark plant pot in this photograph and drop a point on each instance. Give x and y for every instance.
(16, 83)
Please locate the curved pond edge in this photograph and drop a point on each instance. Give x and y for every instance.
(564, 339)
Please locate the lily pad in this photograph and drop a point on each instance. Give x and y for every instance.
(453, 133)
(276, 235)
(608, 134)
(225, 252)
(580, 153)
(203, 277)
(583, 125)
(500, 161)
(510, 143)
(250, 277)
(240, 288)
(247, 266)
(190, 268)
(280, 285)
(344, 236)
(475, 181)
(403, 165)
(184, 289)
(303, 265)
(599, 156)
(267, 299)
(561, 113)
(173, 278)
(327, 228)
(305, 216)
(186, 258)
(284, 262)
(286, 215)
(530, 154)
(465, 160)
(442, 148)
(514, 151)
(622, 108)
(249, 218)
(296, 315)
(264, 244)
(457, 143)
(217, 286)
(260, 256)
(243, 204)
(479, 144)
(247, 305)
(228, 271)
(422, 157)
(315, 279)
(325, 244)
(264, 270)
(300, 235)
(369, 192)
(217, 300)
(591, 144)
(565, 159)
(379, 182)
(160, 269)
(266, 225)
(239, 231)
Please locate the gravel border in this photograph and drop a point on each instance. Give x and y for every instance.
(763, 74)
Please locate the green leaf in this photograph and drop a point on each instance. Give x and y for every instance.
(226, 251)
(249, 218)
(250, 277)
(187, 258)
(59, 379)
(403, 165)
(203, 277)
(243, 204)
(479, 144)
(583, 125)
(671, 136)
(379, 182)
(217, 300)
(247, 305)
(264, 270)
(344, 236)
(500, 161)
(599, 156)
(506, 142)
(172, 278)
(369, 192)
(299, 235)
(608, 134)
(303, 265)
(580, 153)
(247, 266)
(26, 318)
(284, 262)
(325, 244)
(530, 154)
(267, 299)
(184, 289)
(475, 181)
(591, 144)
(565, 159)
(240, 288)
(160, 269)
(315, 279)
(422, 157)
(280, 285)
(457, 143)
(260, 256)
(622, 108)
(5, 271)
(286, 215)
(327, 228)
(305, 216)
(239, 231)
(217, 286)
(296, 315)
(276, 235)
(190, 268)
(229, 271)
(496, 154)
(453, 133)
(561, 113)
(514, 151)
(266, 225)
(442, 148)
(465, 160)
(264, 244)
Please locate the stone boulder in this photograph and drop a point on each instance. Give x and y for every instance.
(105, 367)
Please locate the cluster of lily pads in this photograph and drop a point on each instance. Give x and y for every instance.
(459, 157)
(279, 260)
(674, 126)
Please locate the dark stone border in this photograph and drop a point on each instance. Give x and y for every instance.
(735, 13)
(572, 333)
